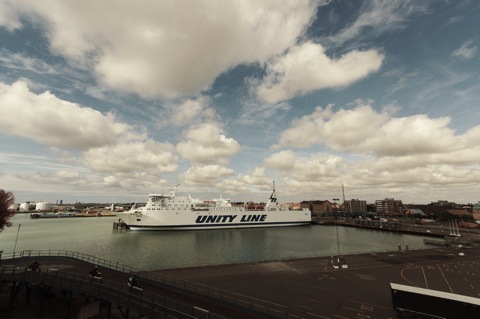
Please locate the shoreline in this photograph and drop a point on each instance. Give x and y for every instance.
(300, 259)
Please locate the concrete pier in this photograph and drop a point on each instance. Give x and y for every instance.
(120, 225)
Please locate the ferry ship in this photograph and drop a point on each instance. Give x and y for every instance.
(172, 212)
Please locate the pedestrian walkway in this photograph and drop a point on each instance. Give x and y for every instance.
(64, 279)
(302, 288)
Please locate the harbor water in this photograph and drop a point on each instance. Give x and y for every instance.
(177, 249)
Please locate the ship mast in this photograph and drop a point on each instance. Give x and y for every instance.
(273, 197)
(173, 190)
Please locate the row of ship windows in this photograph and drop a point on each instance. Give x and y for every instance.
(177, 202)
(170, 205)
(211, 208)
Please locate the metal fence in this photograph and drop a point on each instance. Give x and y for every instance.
(70, 254)
(136, 300)
(262, 307)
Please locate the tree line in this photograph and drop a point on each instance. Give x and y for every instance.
(6, 201)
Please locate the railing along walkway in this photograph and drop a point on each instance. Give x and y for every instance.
(137, 301)
(261, 307)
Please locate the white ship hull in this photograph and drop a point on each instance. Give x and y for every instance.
(188, 220)
(170, 212)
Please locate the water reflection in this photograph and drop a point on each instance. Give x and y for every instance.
(174, 249)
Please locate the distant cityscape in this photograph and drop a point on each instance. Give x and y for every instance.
(388, 207)
(441, 210)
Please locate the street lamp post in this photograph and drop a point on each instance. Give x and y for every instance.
(16, 239)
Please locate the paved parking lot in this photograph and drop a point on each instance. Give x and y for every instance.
(360, 291)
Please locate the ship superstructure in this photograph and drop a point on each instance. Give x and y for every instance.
(172, 212)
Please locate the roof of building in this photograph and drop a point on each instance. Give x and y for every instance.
(416, 211)
(459, 212)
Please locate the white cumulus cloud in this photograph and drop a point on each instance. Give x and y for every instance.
(8, 16)
(148, 156)
(312, 168)
(52, 121)
(166, 48)
(365, 130)
(205, 143)
(208, 174)
(306, 68)
(284, 160)
(192, 111)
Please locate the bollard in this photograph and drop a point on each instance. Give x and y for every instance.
(399, 247)
(406, 247)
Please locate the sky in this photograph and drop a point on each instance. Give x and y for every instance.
(108, 101)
